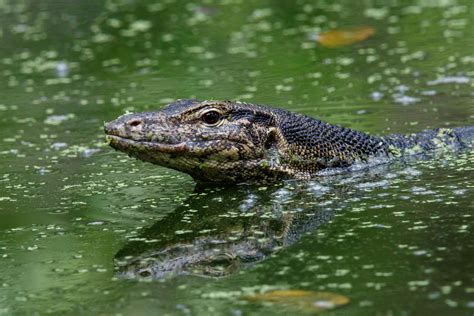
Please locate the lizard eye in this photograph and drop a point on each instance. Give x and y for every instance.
(211, 118)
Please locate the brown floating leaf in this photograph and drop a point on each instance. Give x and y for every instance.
(343, 37)
(304, 300)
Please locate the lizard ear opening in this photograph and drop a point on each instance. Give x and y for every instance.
(271, 138)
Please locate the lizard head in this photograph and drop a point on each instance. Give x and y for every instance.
(213, 141)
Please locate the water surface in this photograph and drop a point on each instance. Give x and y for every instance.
(395, 240)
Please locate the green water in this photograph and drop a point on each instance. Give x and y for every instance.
(398, 240)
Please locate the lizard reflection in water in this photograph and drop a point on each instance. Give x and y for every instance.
(218, 232)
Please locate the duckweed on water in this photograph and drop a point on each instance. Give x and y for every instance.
(68, 204)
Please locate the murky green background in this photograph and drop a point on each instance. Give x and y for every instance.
(401, 241)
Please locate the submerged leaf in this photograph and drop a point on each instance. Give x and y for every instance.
(304, 300)
(344, 37)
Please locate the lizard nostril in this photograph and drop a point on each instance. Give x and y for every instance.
(134, 123)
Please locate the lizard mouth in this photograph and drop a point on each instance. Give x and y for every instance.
(129, 145)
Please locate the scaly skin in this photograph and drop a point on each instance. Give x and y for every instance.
(232, 142)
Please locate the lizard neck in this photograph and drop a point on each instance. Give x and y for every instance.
(310, 145)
